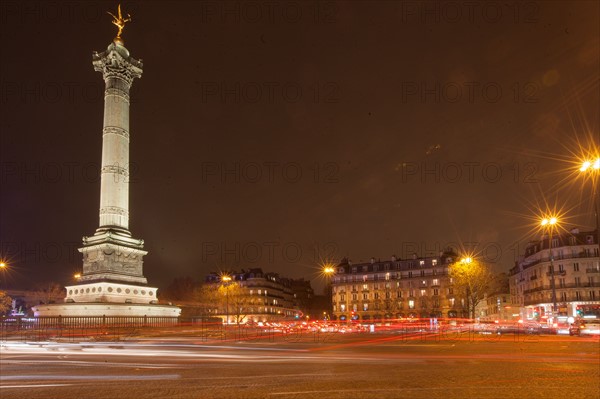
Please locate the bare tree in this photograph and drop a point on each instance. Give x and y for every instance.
(48, 292)
(473, 278)
(236, 300)
(5, 302)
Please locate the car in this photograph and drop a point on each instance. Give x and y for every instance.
(585, 327)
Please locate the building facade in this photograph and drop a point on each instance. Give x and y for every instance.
(380, 290)
(575, 269)
(263, 297)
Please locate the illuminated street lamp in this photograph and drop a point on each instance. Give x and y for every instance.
(328, 272)
(467, 260)
(77, 276)
(593, 167)
(226, 280)
(549, 223)
(3, 267)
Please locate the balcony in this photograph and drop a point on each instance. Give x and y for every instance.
(579, 255)
(592, 270)
(557, 273)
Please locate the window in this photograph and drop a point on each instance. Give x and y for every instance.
(421, 263)
(436, 291)
(354, 269)
(422, 273)
(354, 297)
(563, 297)
(434, 262)
(376, 295)
(343, 307)
(423, 292)
(577, 296)
(411, 304)
(343, 298)
(561, 268)
(423, 283)
(354, 307)
(435, 282)
(592, 295)
(387, 276)
(375, 268)
(365, 286)
(577, 281)
(365, 296)
(561, 283)
(409, 274)
(451, 300)
(575, 267)
(365, 306)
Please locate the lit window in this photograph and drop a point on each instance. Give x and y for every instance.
(343, 307)
(435, 282)
(434, 262)
(421, 262)
(365, 306)
(423, 292)
(411, 304)
(387, 276)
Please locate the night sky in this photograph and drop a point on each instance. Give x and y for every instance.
(279, 135)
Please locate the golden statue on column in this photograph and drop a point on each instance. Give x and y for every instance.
(119, 22)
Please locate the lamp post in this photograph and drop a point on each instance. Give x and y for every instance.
(549, 223)
(593, 167)
(328, 272)
(3, 267)
(226, 279)
(467, 261)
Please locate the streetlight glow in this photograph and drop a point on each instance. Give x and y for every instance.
(328, 270)
(226, 278)
(2, 265)
(549, 221)
(585, 166)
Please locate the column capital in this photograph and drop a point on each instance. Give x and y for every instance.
(116, 62)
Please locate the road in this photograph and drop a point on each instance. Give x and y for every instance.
(352, 366)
